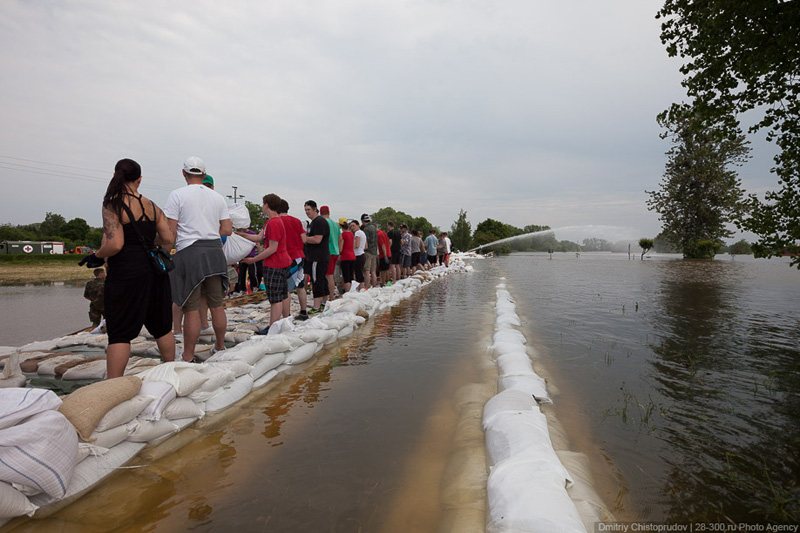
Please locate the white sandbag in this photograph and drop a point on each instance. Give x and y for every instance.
(509, 335)
(267, 363)
(48, 367)
(39, 346)
(92, 370)
(87, 475)
(235, 367)
(146, 430)
(124, 412)
(301, 354)
(236, 248)
(514, 364)
(230, 394)
(500, 348)
(138, 365)
(320, 336)
(240, 218)
(162, 392)
(266, 378)
(532, 385)
(39, 453)
(183, 408)
(183, 376)
(284, 325)
(518, 503)
(17, 404)
(523, 436)
(110, 437)
(505, 402)
(14, 503)
(346, 332)
(217, 377)
(508, 319)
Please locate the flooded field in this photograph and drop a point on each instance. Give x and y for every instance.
(358, 442)
(687, 373)
(41, 311)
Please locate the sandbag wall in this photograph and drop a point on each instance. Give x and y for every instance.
(527, 484)
(53, 450)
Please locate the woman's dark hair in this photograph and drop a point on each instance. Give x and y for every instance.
(125, 171)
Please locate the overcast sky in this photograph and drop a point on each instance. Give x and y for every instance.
(531, 112)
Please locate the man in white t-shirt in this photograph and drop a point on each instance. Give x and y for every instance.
(197, 217)
(448, 245)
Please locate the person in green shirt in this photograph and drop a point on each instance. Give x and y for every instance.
(334, 246)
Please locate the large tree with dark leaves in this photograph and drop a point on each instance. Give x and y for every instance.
(740, 56)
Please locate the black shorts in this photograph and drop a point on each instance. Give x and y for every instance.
(414, 259)
(276, 282)
(348, 269)
(396, 257)
(383, 264)
(131, 303)
(432, 259)
(360, 260)
(317, 271)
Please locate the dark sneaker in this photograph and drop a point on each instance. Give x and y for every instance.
(263, 331)
(312, 311)
(302, 315)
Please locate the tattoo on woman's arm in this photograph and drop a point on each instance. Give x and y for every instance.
(110, 224)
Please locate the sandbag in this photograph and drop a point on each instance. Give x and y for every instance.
(40, 453)
(230, 394)
(518, 503)
(504, 347)
(86, 406)
(509, 335)
(301, 354)
(217, 377)
(30, 365)
(78, 360)
(14, 503)
(48, 366)
(124, 412)
(146, 430)
(110, 437)
(240, 218)
(514, 364)
(162, 393)
(17, 404)
(183, 376)
(320, 336)
(532, 385)
(266, 378)
(183, 408)
(237, 368)
(91, 370)
(267, 363)
(505, 402)
(346, 332)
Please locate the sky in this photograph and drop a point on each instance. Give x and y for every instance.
(530, 112)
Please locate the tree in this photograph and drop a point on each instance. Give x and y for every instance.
(645, 244)
(699, 194)
(740, 247)
(257, 216)
(743, 56)
(52, 225)
(461, 232)
(75, 230)
(594, 244)
(491, 230)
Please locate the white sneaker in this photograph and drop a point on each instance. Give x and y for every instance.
(179, 337)
(207, 331)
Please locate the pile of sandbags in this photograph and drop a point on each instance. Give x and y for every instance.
(527, 484)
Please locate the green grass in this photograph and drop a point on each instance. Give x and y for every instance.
(20, 259)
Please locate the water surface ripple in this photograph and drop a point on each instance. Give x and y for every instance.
(688, 371)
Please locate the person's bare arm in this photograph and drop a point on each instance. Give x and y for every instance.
(113, 237)
(257, 238)
(315, 239)
(356, 241)
(341, 243)
(225, 227)
(268, 251)
(166, 235)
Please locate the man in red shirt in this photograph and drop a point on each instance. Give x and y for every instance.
(384, 256)
(294, 246)
(275, 257)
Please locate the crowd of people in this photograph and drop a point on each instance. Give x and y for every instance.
(327, 256)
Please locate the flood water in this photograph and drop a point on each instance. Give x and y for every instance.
(41, 312)
(688, 374)
(358, 442)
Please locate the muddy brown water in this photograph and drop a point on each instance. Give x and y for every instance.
(358, 442)
(36, 312)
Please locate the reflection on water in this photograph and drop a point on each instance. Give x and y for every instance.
(328, 449)
(690, 371)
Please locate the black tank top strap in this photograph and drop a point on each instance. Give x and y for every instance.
(141, 204)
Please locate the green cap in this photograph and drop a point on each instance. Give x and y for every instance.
(208, 180)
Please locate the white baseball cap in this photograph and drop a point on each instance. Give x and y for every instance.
(194, 165)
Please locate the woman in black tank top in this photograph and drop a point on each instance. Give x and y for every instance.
(135, 295)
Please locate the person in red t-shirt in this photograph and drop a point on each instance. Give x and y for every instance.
(294, 246)
(347, 255)
(275, 257)
(384, 256)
